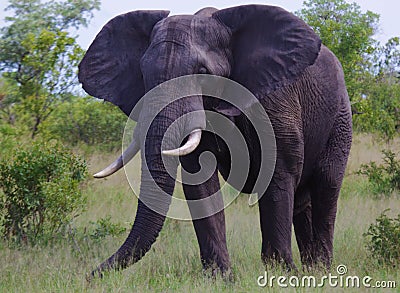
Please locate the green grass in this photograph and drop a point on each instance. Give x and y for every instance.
(173, 264)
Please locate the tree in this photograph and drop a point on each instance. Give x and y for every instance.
(39, 55)
(380, 104)
(47, 73)
(8, 95)
(387, 60)
(371, 69)
(348, 33)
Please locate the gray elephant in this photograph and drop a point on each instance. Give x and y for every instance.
(296, 79)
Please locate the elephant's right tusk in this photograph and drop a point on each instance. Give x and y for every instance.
(191, 144)
(129, 153)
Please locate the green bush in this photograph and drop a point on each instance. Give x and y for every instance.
(384, 179)
(40, 191)
(384, 239)
(380, 109)
(104, 227)
(8, 137)
(86, 121)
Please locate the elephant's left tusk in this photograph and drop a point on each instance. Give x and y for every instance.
(130, 152)
(191, 144)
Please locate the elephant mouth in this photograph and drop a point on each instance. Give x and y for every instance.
(134, 147)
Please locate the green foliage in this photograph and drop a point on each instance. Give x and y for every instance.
(48, 72)
(47, 63)
(380, 109)
(56, 15)
(34, 22)
(386, 62)
(86, 121)
(8, 133)
(8, 96)
(380, 105)
(370, 69)
(41, 191)
(38, 55)
(104, 227)
(384, 239)
(347, 32)
(384, 179)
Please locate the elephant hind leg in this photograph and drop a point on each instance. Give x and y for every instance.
(325, 187)
(324, 206)
(314, 222)
(302, 222)
(276, 217)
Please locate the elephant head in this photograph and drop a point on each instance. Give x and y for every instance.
(261, 47)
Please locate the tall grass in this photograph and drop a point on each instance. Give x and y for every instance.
(173, 264)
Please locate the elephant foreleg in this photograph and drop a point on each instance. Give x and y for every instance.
(210, 230)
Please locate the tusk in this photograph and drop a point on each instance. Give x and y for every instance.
(191, 144)
(129, 153)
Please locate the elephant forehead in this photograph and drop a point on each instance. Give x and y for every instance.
(173, 29)
(189, 30)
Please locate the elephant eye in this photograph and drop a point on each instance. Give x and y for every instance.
(203, 70)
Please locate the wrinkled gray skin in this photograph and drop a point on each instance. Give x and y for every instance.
(298, 81)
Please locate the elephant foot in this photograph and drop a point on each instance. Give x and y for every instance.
(321, 257)
(276, 260)
(212, 271)
(316, 261)
(321, 263)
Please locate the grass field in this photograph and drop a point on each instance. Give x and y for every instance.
(173, 263)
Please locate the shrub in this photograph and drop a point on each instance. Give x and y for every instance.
(104, 227)
(384, 239)
(41, 191)
(385, 178)
(86, 121)
(7, 139)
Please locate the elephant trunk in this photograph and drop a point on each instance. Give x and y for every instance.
(157, 185)
(143, 234)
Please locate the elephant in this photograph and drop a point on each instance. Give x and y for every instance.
(299, 83)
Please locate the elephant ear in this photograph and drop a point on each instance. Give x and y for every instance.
(110, 69)
(271, 47)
